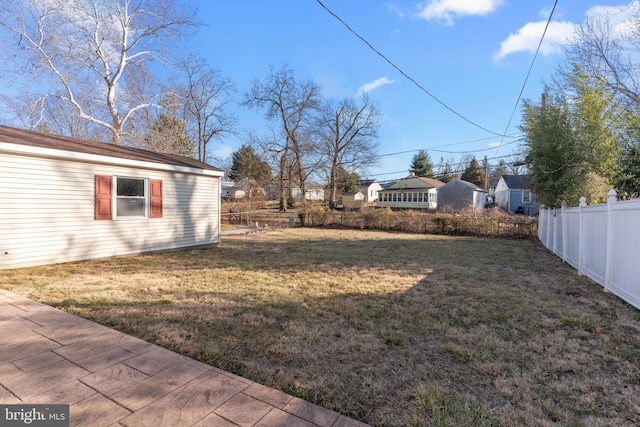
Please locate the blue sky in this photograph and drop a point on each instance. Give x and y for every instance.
(473, 55)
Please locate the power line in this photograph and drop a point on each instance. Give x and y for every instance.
(515, 107)
(445, 145)
(405, 74)
(449, 152)
(458, 164)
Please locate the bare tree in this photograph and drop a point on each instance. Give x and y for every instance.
(348, 133)
(291, 105)
(205, 94)
(608, 55)
(95, 48)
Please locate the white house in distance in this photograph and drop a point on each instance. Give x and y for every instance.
(412, 192)
(63, 199)
(369, 188)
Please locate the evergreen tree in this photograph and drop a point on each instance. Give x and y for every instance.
(498, 171)
(421, 165)
(168, 135)
(474, 173)
(553, 156)
(246, 164)
(445, 171)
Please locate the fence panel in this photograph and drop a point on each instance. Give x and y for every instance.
(625, 273)
(594, 242)
(571, 250)
(602, 242)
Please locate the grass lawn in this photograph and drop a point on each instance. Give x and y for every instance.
(388, 328)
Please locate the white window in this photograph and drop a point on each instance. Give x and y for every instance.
(526, 196)
(132, 196)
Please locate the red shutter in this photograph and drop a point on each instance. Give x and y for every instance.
(104, 201)
(155, 198)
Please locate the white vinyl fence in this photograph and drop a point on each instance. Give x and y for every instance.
(601, 241)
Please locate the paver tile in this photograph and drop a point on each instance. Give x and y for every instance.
(279, 418)
(311, 412)
(155, 360)
(269, 395)
(38, 361)
(68, 393)
(114, 378)
(96, 411)
(136, 345)
(70, 331)
(8, 310)
(9, 370)
(234, 376)
(7, 398)
(15, 329)
(92, 345)
(42, 314)
(36, 382)
(157, 386)
(189, 403)
(214, 420)
(106, 358)
(244, 410)
(31, 344)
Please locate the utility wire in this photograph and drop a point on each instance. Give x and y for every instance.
(431, 150)
(446, 145)
(405, 74)
(459, 164)
(515, 107)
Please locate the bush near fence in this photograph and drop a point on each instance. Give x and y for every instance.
(488, 223)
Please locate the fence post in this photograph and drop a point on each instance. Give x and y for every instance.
(555, 230)
(549, 230)
(563, 218)
(611, 199)
(583, 203)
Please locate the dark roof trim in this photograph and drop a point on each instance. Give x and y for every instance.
(58, 142)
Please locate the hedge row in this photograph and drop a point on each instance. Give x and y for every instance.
(489, 223)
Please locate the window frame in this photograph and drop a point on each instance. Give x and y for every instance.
(146, 198)
(526, 199)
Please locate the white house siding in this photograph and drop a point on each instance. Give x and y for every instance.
(408, 199)
(47, 212)
(502, 195)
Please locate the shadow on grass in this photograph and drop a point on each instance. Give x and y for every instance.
(390, 329)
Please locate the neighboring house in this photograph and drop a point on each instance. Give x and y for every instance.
(457, 194)
(369, 188)
(231, 191)
(63, 199)
(313, 191)
(412, 192)
(514, 194)
(352, 199)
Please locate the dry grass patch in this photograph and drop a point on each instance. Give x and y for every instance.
(388, 328)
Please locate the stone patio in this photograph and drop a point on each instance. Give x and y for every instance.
(112, 379)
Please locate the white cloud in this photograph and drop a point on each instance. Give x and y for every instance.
(366, 88)
(446, 10)
(560, 33)
(620, 18)
(528, 37)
